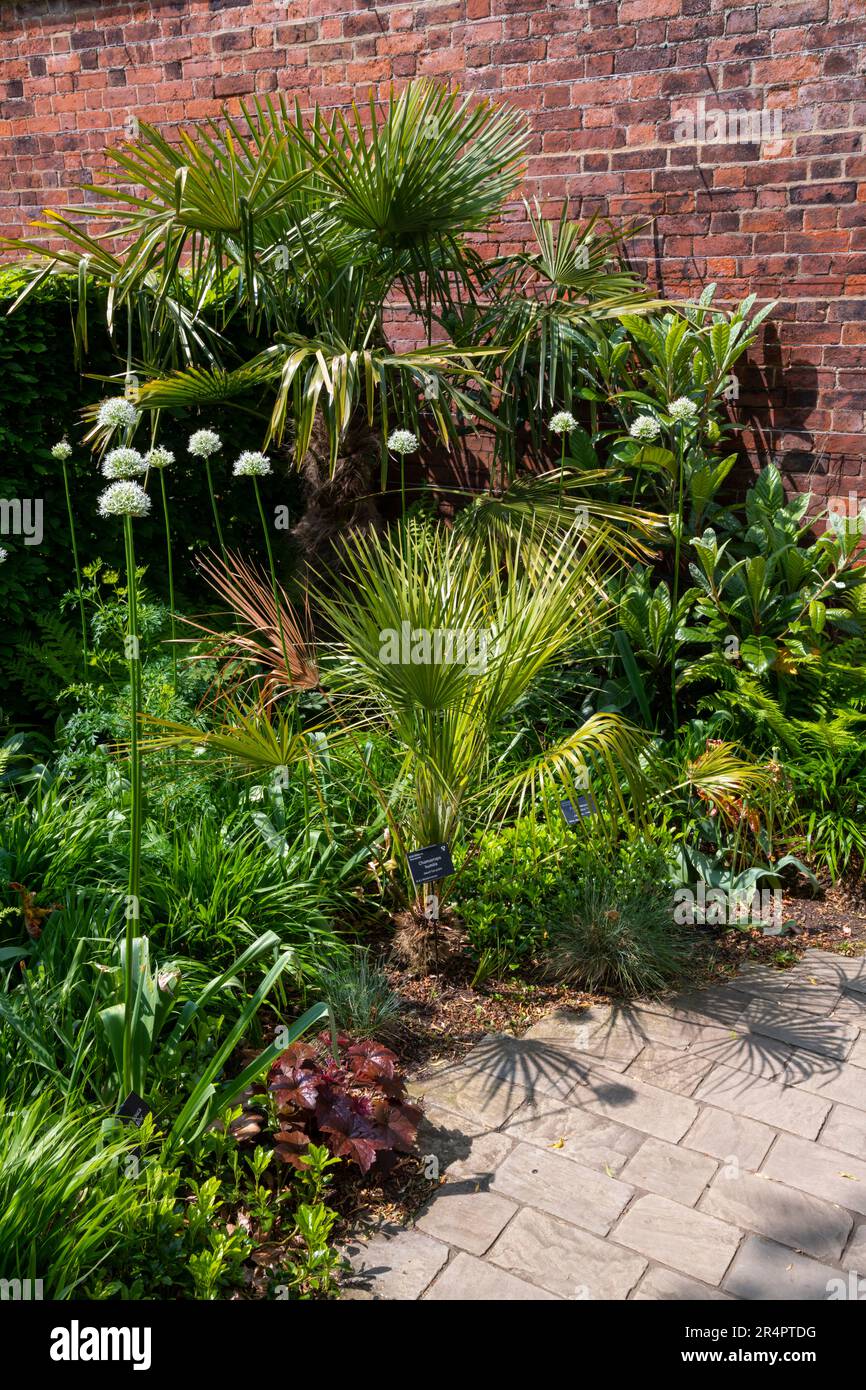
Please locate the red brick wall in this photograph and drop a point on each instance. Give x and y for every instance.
(605, 84)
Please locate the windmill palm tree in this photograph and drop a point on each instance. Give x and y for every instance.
(258, 260)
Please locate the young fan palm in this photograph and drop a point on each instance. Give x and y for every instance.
(442, 637)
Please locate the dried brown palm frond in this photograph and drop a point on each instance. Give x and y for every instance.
(278, 646)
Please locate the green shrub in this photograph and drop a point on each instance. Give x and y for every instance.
(516, 887)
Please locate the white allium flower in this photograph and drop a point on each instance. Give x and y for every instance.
(252, 465)
(4, 555)
(682, 409)
(123, 463)
(61, 451)
(118, 411)
(204, 443)
(402, 442)
(645, 427)
(563, 422)
(159, 457)
(124, 498)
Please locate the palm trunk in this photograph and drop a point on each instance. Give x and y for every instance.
(340, 501)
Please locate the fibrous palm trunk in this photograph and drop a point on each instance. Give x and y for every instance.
(341, 500)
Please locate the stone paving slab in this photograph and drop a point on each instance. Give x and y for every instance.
(553, 1183)
(665, 1285)
(690, 1241)
(669, 1171)
(770, 1101)
(755, 1203)
(846, 1130)
(630, 1101)
(569, 1262)
(596, 1143)
(465, 1217)
(764, 1269)
(824, 1172)
(734, 1139)
(711, 1145)
(670, 1068)
(469, 1280)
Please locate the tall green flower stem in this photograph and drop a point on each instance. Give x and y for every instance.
(675, 587)
(74, 541)
(170, 571)
(132, 911)
(216, 515)
(276, 594)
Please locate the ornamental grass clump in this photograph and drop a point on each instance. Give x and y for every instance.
(614, 938)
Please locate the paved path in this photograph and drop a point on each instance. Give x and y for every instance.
(709, 1146)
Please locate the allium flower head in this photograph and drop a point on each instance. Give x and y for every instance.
(61, 450)
(158, 458)
(124, 498)
(682, 409)
(252, 465)
(402, 442)
(204, 443)
(563, 422)
(117, 412)
(123, 463)
(645, 427)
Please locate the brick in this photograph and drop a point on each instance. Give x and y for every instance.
(688, 1241)
(630, 65)
(555, 1184)
(764, 1270)
(773, 1209)
(564, 1260)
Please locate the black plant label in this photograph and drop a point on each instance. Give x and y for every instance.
(134, 1110)
(430, 864)
(572, 815)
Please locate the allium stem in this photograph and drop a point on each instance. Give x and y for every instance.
(274, 587)
(214, 507)
(77, 565)
(132, 911)
(170, 570)
(676, 580)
